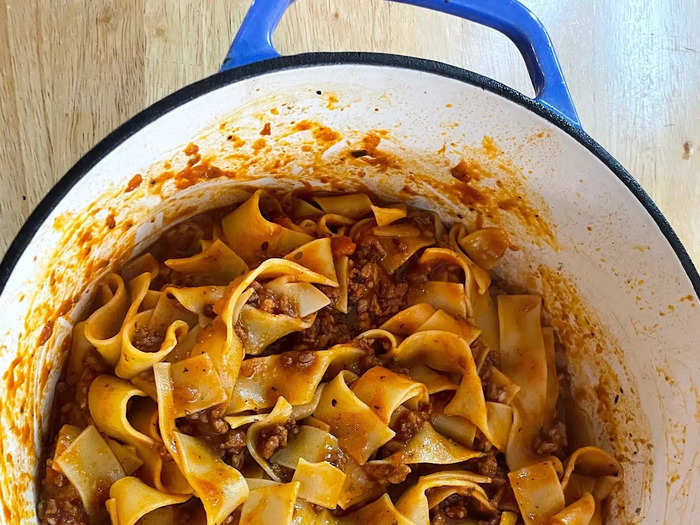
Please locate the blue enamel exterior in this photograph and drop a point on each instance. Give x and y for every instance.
(253, 42)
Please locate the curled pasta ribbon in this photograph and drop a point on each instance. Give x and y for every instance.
(379, 333)
(343, 273)
(354, 205)
(262, 328)
(380, 511)
(447, 352)
(485, 246)
(456, 428)
(108, 399)
(103, 327)
(280, 414)
(428, 446)
(126, 455)
(66, 435)
(537, 491)
(145, 263)
(299, 208)
(524, 362)
(220, 340)
(196, 299)
(270, 504)
(306, 298)
(293, 375)
(384, 391)
(482, 278)
(441, 294)
(132, 360)
(407, 321)
(90, 465)
(158, 469)
(217, 262)
(332, 220)
(196, 385)
(385, 216)
(590, 469)
(432, 256)
(360, 431)
(441, 320)
(580, 512)
(438, 495)
(422, 316)
(414, 504)
(319, 483)
(131, 499)
(311, 444)
(358, 487)
(253, 237)
(397, 254)
(317, 256)
(220, 487)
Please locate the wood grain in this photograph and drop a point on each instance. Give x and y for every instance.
(74, 70)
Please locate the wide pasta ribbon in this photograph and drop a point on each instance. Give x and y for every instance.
(253, 237)
(133, 360)
(590, 469)
(103, 329)
(270, 504)
(381, 511)
(524, 361)
(353, 205)
(281, 413)
(485, 246)
(311, 444)
(317, 256)
(359, 430)
(220, 487)
(537, 491)
(90, 466)
(217, 263)
(448, 352)
(414, 504)
(131, 500)
(294, 375)
(428, 446)
(319, 483)
(384, 391)
(108, 400)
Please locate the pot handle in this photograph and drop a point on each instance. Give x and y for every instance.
(253, 42)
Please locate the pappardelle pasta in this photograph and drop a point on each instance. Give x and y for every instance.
(321, 360)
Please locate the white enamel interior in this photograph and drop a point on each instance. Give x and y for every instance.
(610, 247)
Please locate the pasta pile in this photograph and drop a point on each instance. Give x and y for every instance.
(320, 361)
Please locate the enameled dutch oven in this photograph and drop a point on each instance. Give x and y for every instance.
(617, 284)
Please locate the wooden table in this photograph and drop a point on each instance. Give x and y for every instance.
(72, 70)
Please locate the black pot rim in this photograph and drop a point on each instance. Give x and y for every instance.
(192, 91)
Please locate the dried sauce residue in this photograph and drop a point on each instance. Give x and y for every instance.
(486, 192)
(134, 183)
(613, 396)
(489, 147)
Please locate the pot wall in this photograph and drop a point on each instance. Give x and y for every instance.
(615, 290)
